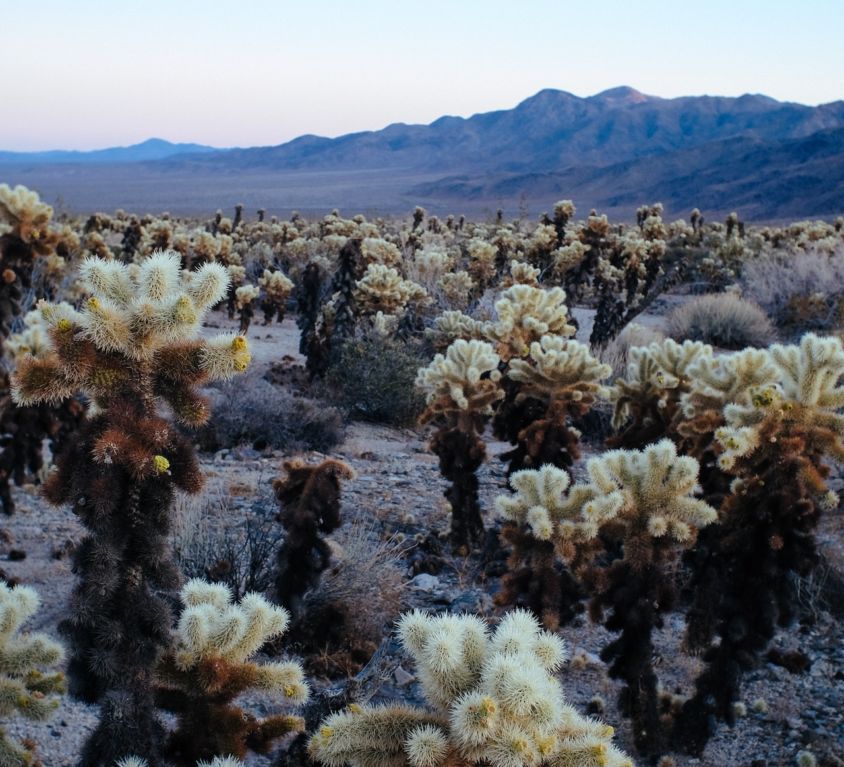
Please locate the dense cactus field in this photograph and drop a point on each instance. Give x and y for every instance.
(420, 492)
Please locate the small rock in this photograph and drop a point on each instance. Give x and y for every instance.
(425, 582)
(403, 678)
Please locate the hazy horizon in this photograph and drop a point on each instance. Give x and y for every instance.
(93, 75)
(374, 128)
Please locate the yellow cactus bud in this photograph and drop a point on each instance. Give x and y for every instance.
(161, 464)
(184, 312)
(64, 325)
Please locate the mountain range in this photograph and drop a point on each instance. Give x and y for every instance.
(769, 160)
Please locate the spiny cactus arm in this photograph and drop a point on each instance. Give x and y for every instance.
(525, 314)
(454, 381)
(369, 736)
(643, 386)
(449, 652)
(208, 285)
(41, 380)
(718, 381)
(558, 368)
(219, 761)
(676, 359)
(16, 697)
(519, 633)
(223, 356)
(226, 681)
(656, 485)
(265, 732)
(810, 373)
(540, 502)
(11, 755)
(27, 651)
(286, 678)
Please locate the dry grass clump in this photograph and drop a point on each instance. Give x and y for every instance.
(803, 290)
(358, 597)
(257, 413)
(207, 544)
(722, 319)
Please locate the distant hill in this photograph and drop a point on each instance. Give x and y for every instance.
(549, 131)
(798, 177)
(614, 150)
(151, 149)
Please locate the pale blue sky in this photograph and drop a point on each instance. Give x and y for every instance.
(89, 73)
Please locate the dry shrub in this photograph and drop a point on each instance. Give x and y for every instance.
(722, 319)
(373, 377)
(212, 540)
(800, 290)
(254, 411)
(358, 597)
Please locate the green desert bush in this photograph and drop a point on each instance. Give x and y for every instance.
(724, 320)
(372, 376)
(263, 415)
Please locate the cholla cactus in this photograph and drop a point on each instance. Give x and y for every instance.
(225, 761)
(206, 247)
(309, 497)
(644, 500)
(245, 295)
(568, 257)
(450, 326)
(626, 280)
(33, 339)
(494, 702)
(521, 273)
(382, 288)
(525, 314)
(648, 400)
(461, 388)
(715, 383)
(543, 522)
(132, 346)
(456, 288)
(376, 250)
(24, 429)
(558, 381)
(244, 299)
(277, 289)
(209, 667)
(482, 258)
(808, 398)
(648, 495)
(237, 276)
(774, 444)
(25, 234)
(26, 218)
(24, 686)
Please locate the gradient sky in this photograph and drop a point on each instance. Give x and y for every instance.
(89, 74)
